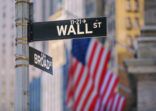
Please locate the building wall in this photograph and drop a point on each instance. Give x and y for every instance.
(129, 29)
(80, 8)
(42, 10)
(130, 12)
(51, 85)
(90, 8)
(35, 93)
(110, 13)
(125, 20)
(7, 52)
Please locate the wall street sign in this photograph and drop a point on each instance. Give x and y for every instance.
(40, 60)
(67, 29)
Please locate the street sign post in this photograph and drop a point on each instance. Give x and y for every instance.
(22, 55)
(67, 29)
(40, 60)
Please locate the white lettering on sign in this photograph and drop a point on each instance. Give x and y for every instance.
(42, 61)
(97, 25)
(78, 30)
(68, 30)
(87, 31)
(71, 30)
(61, 29)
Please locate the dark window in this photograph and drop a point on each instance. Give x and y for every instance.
(4, 15)
(4, 25)
(12, 44)
(3, 35)
(90, 9)
(136, 23)
(128, 23)
(12, 25)
(128, 5)
(136, 5)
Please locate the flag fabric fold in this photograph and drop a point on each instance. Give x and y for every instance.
(91, 85)
(108, 87)
(116, 103)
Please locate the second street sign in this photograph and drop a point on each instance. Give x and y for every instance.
(40, 60)
(67, 29)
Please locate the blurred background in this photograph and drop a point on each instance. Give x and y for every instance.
(125, 19)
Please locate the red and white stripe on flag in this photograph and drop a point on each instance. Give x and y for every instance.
(116, 103)
(108, 87)
(80, 90)
(97, 61)
(90, 85)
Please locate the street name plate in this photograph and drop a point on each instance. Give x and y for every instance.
(40, 60)
(67, 29)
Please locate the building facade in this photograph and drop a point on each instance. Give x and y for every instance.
(35, 93)
(41, 90)
(7, 55)
(125, 20)
(49, 96)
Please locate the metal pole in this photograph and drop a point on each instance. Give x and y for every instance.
(22, 56)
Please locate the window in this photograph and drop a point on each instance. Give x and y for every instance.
(3, 45)
(4, 35)
(136, 5)
(12, 26)
(3, 94)
(111, 25)
(136, 35)
(3, 83)
(130, 41)
(12, 83)
(4, 15)
(3, 52)
(128, 23)
(90, 8)
(136, 23)
(128, 5)
(12, 104)
(13, 36)
(4, 25)
(4, 7)
(12, 44)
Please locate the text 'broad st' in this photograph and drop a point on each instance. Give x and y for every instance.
(40, 60)
(67, 29)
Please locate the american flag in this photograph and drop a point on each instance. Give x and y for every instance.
(90, 84)
(116, 103)
(108, 87)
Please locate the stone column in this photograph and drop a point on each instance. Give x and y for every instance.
(143, 68)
